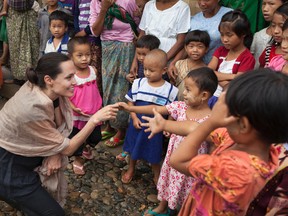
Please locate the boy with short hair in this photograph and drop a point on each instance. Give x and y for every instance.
(43, 22)
(144, 44)
(58, 25)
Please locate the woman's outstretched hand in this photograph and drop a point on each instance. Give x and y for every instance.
(106, 113)
(155, 124)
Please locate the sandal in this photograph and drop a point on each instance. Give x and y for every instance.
(151, 212)
(87, 154)
(107, 134)
(122, 156)
(114, 142)
(78, 170)
(126, 179)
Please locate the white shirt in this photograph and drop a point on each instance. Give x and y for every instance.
(166, 24)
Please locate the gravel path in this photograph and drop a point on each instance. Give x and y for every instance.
(100, 191)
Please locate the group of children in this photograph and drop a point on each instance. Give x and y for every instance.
(211, 171)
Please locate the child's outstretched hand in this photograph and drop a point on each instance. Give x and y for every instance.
(220, 116)
(155, 124)
(124, 106)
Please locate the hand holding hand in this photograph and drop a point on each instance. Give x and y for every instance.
(106, 113)
(155, 124)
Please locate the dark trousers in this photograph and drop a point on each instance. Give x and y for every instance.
(93, 139)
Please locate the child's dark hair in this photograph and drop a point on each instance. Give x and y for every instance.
(198, 36)
(285, 25)
(48, 64)
(239, 24)
(148, 41)
(76, 41)
(59, 15)
(282, 10)
(205, 79)
(261, 96)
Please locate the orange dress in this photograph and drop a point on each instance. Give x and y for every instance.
(227, 180)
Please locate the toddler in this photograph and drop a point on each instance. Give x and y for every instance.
(151, 89)
(86, 99)
(58, 24)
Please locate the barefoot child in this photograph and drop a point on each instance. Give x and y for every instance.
(196, 46)
(173, 186)
(86, 99)
(230, 178)
(146, 91)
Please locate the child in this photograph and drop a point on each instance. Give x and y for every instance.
(262, 37)
(81, 12)
(230, 178)
(234, 58)
(143, 45)
(169, 20)
(196, 46)
(86, 99)
(279, 62)
(149, 90)
(58, 24)
(274, 48)
(173, 187)
(43, 22)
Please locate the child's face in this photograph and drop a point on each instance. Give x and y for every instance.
(141, 53)
(195, 50)
(276, 26)
(153, 71)
(81, 56)
(284, 44)
(229, 38)
(58, 28)
(52, 2)
(268, 8)
(192, 95)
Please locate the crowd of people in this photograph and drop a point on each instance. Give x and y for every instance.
(138, 72)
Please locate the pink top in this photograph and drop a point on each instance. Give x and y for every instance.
(227, 180)
(120, 31)
(277, 63)
(86, 97)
